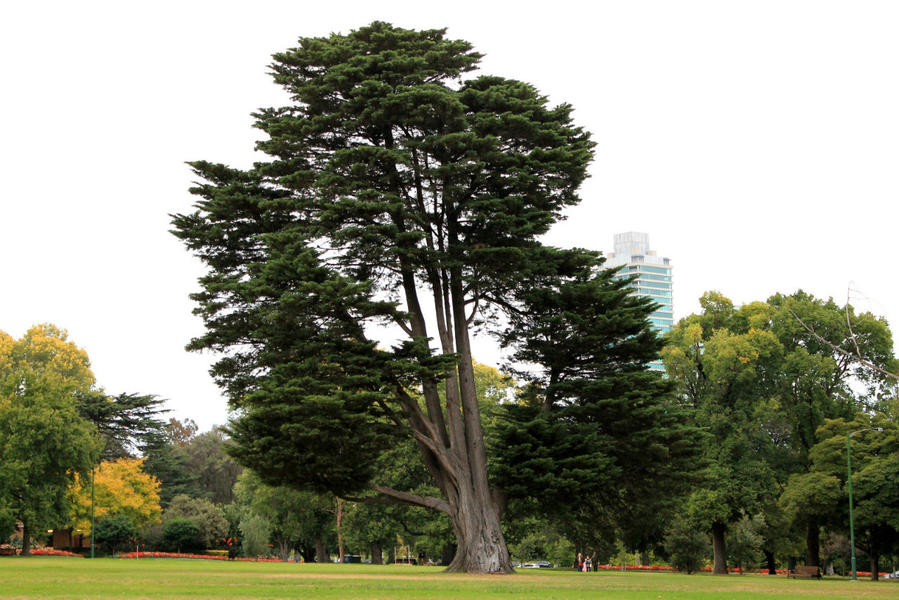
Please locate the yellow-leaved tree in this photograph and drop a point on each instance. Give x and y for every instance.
(120, 488)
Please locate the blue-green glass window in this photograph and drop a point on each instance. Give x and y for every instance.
(659, 270)
(653, 286)
(655, 277)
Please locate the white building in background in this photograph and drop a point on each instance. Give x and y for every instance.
(653, 277)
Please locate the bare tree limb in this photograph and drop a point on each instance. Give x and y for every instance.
(836, 348)
(474, 311)
(399, 321)
(414, 499)
(849, 324)
(417, 418)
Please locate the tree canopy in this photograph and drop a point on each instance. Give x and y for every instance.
(128, 424)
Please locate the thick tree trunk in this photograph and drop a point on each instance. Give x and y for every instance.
(283, 550)
(306, 551)
(26, 541)
(377, 556)
(321, 553)
(340, 556)
(769, 560)
(813, 543)
(452, 444)
(480, 545)
(720, 549)
(875, 565)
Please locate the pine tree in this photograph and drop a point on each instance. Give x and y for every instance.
(598, 441)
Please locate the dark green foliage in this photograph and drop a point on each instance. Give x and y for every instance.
(194, 465)
(597, 437)
(687, 547)
(183, 535)
(7, 522)
(875, 482)
(114, 532)
(744, 543)
(309, 419)
(375, 118)
(208, 517)
(215, 472)
(170, 465)
(128, 424)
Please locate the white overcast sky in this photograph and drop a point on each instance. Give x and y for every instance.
(756, 142)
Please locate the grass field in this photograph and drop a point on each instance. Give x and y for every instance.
(56, 577)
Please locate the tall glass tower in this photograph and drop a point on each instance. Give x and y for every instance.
(653, 277)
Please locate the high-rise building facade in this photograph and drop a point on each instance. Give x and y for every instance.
(653, 277)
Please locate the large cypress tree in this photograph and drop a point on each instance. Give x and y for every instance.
(394, 194)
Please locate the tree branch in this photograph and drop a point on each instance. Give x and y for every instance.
(399, 321)
(474, 311)
(836, 348)
(849, 325)
(414, 499)
(431, 437)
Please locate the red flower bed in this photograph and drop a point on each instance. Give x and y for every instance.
(196, 556)
(53, 552)
(667, 568)
(635, 567)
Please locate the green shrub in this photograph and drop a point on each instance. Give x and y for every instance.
(115, 531)
(687, 548)
(182, 535)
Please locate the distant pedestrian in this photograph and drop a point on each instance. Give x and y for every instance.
(579, 565)
(587, 564)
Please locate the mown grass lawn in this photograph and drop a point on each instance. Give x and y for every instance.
(57, 577)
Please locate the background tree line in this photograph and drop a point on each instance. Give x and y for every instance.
(772, 411)
(777, 386)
